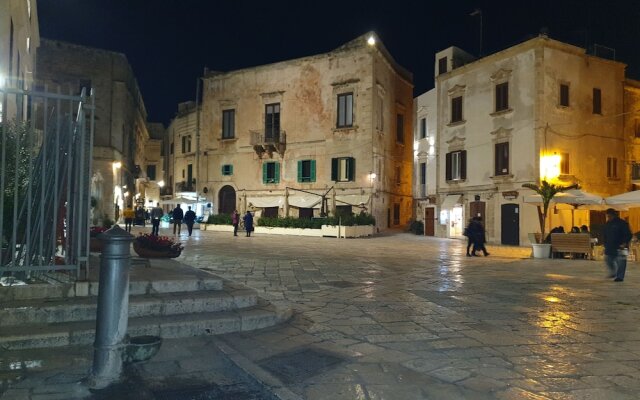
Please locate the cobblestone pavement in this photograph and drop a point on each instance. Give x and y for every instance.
(400, 316)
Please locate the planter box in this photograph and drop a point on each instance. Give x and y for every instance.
(287, 231)
(347, 231)
(217, 228)
(151, 253)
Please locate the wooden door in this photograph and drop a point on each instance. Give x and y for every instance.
(429, 221)
(510, 216)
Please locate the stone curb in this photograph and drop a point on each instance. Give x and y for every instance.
(262, 376)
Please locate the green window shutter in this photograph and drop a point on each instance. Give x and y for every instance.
(313, 171)
(352, 169)
(334, 169)
(299, 170)
(222, 171)
(276, 178)
(230, 169)
(264, 173)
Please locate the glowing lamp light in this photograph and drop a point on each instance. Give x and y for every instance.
(161, 183)
(117, 164)
(550, 167)
(126, 194)
(372, 176)
(371, 41)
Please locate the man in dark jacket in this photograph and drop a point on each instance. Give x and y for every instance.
(190, 219)
(616, 245)
(177, 216)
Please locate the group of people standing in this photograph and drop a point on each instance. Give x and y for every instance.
(247, 219)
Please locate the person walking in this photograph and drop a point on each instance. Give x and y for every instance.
(189, 219)
(177, 215)
(235, 220)
(479, 237)
(469, 233)
(156, 214)
(248, 223)
(617, 236)
(128, 215)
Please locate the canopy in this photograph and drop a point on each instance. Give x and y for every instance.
(180, 200)
(626, 199)
(266, 201)
(351, 199)
(450, 201)
(305, 201)
(575, 197)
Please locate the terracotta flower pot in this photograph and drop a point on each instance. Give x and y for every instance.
(152, 253)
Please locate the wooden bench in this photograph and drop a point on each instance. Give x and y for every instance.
(571, 243)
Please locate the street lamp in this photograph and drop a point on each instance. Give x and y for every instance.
(161, 184)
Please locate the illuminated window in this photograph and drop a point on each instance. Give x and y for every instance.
(345, 110)
(456, 165)
(343, 169)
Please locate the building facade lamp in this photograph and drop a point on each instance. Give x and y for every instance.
(161, 183)
(550, 167)
(371, 41)
(126, 194)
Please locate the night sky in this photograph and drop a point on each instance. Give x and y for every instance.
(169, 42)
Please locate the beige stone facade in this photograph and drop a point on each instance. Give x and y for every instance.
(275, 138)
(121, 133)
(19, 41)
(499, 116)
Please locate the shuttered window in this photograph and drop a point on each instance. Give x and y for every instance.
(343, 169)
(307, 171)
(271, 172)
(456, 165)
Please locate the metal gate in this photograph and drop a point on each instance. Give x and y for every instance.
(46, 140)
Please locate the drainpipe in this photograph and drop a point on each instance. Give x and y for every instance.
(113, 308)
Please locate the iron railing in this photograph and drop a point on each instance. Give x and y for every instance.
(46, 140)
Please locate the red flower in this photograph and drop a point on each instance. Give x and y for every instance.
(160, 243)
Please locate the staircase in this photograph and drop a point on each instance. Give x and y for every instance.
(167, 299)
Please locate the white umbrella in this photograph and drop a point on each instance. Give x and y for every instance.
(630, 199)
(574, 197)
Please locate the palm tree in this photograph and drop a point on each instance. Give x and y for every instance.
(547, 192)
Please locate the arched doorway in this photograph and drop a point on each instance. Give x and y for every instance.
(226, 200)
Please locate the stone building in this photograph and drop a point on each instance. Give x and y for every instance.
(121, 134)
(19, 40)
(325, 133)
(540, 109)
(425, 159)
(154, 166)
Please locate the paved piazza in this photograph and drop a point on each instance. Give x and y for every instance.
(401, 316)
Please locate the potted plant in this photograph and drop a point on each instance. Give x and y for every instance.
(95, 244)
(152, 246)
(547, 191)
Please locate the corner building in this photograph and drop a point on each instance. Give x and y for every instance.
(325, 133)
(542, 109)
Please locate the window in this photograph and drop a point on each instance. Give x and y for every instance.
(272, 122)
(502, 96)
(343, 169)
(442, 65)
(398, 175)
(423, 180)
(396, 214)
(564, 164)
(379, 114)
(597, 101)
(400, 128)
(456, 109)
(612, 167)
(635, 171)
(186, 144)
(271, 172)
(307, 171)
(227, 169)
(270, 212)
(502, 159)
(151, 172)
(190, 180)
(228, 124)
(456, 165)
(564, 95)
(345, 110)
(423, 128)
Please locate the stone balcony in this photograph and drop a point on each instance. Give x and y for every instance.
(268, 143)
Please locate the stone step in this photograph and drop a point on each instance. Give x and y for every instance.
(28, 312)
(262, 315)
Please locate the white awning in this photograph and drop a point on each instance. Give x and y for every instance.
(267, 201)
(450, 201)
(305, 201)
(352, 199)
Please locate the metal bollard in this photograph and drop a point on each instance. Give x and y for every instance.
(113, 308)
